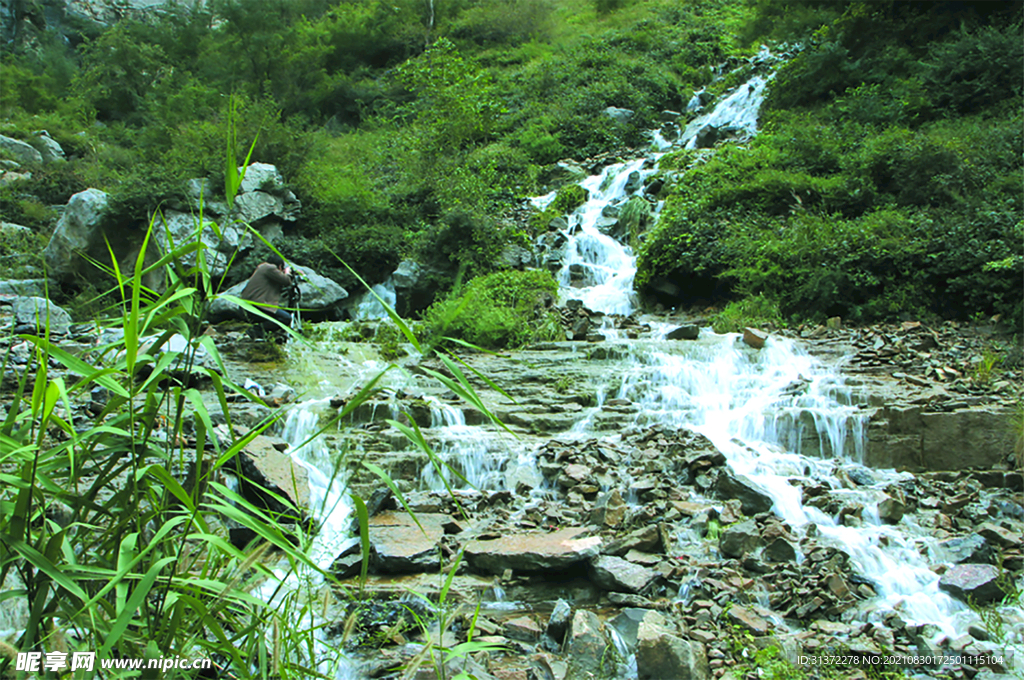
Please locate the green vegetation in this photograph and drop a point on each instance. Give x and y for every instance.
(503, 309)
(887, 181)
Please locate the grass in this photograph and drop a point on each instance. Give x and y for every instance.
(112, 525)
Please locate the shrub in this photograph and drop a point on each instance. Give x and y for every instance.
(502, 309)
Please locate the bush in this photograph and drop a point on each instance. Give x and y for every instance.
(503, 309)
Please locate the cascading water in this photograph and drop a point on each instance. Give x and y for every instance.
(781, 417)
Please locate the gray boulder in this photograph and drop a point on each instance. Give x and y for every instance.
(621, 116)
(739, 539)
(321, 297)
(414, 289)
(37, 314)
(19, 151)
(80, 229)
(26, 287)
(176, 228)
(48, 147)
(586, 644)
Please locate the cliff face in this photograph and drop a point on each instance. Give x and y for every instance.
(24, 22)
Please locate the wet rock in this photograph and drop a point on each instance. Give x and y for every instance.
(522, 628)
(609, 510)
(558, 624)
(627, 624)
(972, 582)
(1000, 536)
(266, 476)
(401, 546)
(891, 510)
(754, 338)
(689, 332)
(79, 230)
(753, 498)
(532, 552)
(619, 575)
(780, 550)
(739, 539)
(660, 654)
(585, 644)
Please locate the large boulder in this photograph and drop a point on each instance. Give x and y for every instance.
(19, 151)
(272, 480)
(752, 497)
(320, 298)
(173, 229)
(414, 287)
(36, 314)
(79, 230)
(48, 147)
(402, 544)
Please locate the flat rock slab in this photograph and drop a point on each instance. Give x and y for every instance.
(619, 575)
(534, 551)
(262, 469)
(400, 546)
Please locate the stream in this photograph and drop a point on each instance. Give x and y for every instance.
(782, 418)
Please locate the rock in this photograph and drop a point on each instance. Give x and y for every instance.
(49, 149)
(585, 644)
(558, 624)
(748, 620)
(891, 510)
(780, 550)
(646, 539)
(400, 545)
(36, 314)
(258, 205)
(174, 229)
(621, 116)
(532, 552)
(739, 539)
(689, 332)
(609, 510)
(972, 582)
(1000, 536)
(754, 337)
(414, 287)
(660, 654)
(752, 497)
(561, 173)
(19, 150)
(79, 229)
(627, 624)
(261, 177)
(522, 628)
(320, 297)
(619, 575)
(264, 472)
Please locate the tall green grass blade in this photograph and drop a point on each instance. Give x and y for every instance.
(363, 518)
(390, 483)
(127, 613)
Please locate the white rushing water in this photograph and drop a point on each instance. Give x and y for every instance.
(760, 408)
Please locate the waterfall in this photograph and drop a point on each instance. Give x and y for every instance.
(291, 590)
(366, 306)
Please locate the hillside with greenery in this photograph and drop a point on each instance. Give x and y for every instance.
(886, 182)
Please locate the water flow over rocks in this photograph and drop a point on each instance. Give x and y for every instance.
(667, 501)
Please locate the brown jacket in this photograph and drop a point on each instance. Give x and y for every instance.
(266, 285)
